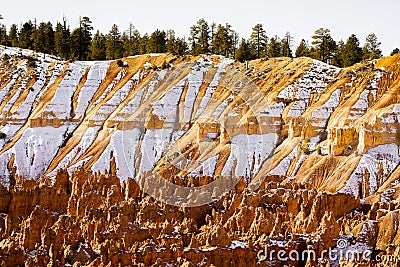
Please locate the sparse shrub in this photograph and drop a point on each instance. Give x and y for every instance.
(31, 63)
(164, 65)
(3, 135)
(122, 64)
(304, 145)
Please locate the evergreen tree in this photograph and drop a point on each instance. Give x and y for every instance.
(181, 47)
(352, 51)
(213, 33)
(43, 38)
(175, 46)
(170, 45)
(98, 47)
(371, 48)
(62, 40)
(200, 37)
(13, 35)
(125, 45)
(274, 47)
(235, 42)
(25, 34)
(81, 39)
(157, 42)
(39, 38)
(303, 50)
(259, 39)
(244, 51)
(49, 36)
(143, 44)
(287, 43)
(395, 52)
(114, 47)
(339, 55)
(130, 41)
(76, 50)
(325, 46)
(223, 42)
(3, 33)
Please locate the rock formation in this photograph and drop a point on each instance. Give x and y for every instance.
(314, 150)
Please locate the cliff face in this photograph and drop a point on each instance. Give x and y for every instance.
(189, 119)
(320, 145)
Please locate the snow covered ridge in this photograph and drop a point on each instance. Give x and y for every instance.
(56, 114)
(15, 51)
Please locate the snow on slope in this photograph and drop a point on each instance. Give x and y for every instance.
(96, 75)
(314, 81)
(373, 169)
(139, 143)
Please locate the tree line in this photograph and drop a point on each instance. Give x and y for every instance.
(82, 43)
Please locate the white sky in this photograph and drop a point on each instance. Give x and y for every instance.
(301, 17)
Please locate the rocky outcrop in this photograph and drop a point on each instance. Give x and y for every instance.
(314, 149)
(203, 115)
(90, 219)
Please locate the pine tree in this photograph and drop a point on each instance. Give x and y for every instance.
(43, 38)
(125, 45)
(170, 45)
(81, 39)
(49, 35)
(62, 40)
(223, 42)
(371, 48)
(303, 50)
(338, 59)
(130, 41)
(143, 44)
(213, 33)
(259, 39)
(339, 55)
(25, 34)
(395, 52)
(13, 35)
(274, 47)
(3, 33)
(325, 46)
(39, 38)
(98, 47)
(352, 51)
(114, 47)
(200, 37)
(244, 52)
(287, 43)
(157, 42)
(181, 47)
(175, 46)
(235, 42)
(76, 49)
